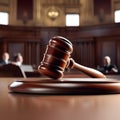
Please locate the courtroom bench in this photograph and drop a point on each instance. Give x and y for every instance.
(11, 70)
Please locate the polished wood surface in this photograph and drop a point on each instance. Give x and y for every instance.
(56, 107)
(66, 86)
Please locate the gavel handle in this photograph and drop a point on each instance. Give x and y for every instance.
(89, 71)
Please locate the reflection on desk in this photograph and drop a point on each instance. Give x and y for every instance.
(54, 107)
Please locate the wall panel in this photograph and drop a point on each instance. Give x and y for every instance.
(90, 43)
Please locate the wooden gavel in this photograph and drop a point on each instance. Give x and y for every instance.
(57, 58)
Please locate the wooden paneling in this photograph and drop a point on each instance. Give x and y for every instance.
(83, 51)
(15, 48)
(107, 51)
(118, 54)
(103, 6)
(25, 11)
(91, 43)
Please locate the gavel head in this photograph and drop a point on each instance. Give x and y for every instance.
(56, 57)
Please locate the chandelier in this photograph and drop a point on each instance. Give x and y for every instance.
(53, 13)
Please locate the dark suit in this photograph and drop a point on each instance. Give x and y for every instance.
(2, 62)
(108, 69)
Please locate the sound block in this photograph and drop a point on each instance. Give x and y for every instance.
(66, 86)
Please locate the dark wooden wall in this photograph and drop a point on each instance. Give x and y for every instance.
(90, 43)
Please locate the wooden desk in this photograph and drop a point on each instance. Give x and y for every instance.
(56, 107)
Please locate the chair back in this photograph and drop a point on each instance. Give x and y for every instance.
(11, 70)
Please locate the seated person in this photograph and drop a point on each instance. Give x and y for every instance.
(107, 68)
(5, 59)
(18, 59)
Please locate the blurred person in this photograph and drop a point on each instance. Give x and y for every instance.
(5, 59)
(18, 59)
(107, 67)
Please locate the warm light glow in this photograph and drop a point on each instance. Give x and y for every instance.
(72, 20)
(117, 16)
(53, 13)
(3, 18)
